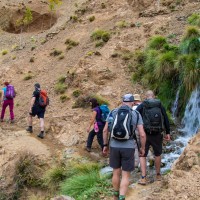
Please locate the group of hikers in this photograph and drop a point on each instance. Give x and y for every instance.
(38, 104)
(127, 134)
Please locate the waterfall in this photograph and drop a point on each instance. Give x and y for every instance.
(175, 105)
(191, 119)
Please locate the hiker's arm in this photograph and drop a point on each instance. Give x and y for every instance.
(142, 139)
(166, 123)
(32, 103)
(105, 139)
(94, 113)
(2, 95)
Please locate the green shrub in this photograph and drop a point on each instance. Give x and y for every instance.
(100, 35)
(14, 57)
(91, 18)
(74, 18)
(191, 32)
(4, 52)
(71, 42)
(64, 98)
(76, 93)
(82, 102)
(194, 19)
(122, 24)
(157, 42)
(99, 99)
(61, 79)
(99, 44)
(61, 57)
(55, 52)
(94, 186)
(127, 55)
(60, 88)
(28, 76)
(33, 47)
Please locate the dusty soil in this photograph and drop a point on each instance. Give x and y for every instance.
(94, 73)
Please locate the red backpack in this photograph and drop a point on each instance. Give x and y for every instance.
(43, 99)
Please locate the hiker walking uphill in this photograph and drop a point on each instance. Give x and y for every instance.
(97, 122)
(155, 121)
(38, 105)
(7, 99)
(122, 145)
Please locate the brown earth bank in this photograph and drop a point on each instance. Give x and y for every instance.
(181, 183)
(89, 69)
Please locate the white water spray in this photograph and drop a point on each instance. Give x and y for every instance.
(191, 119)
(175, 105)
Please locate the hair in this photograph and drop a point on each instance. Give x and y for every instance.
(150, 94)
(6, 83)
(94, 102)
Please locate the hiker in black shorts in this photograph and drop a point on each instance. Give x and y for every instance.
(155, 121)
(36, 109)
(122, 146)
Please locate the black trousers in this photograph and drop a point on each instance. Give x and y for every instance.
(99, 137)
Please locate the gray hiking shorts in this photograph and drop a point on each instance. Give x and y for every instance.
(122, 158)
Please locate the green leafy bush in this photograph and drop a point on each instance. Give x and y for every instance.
(28, 76)
(91, 18)
(4, 52)
(76, 93)
(194, 19)
(64, 98)
(101, 35)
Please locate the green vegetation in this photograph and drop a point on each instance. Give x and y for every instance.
(94, 185)
(194, 19)
(4, 52)
(55, 52)
(60, 86)
(64, 98)
(91, 18)
(101, 36)
(28, 76)
(61, 57)
(122, 24)
(74, 18)
(76, 93)
(163, 66)
(83, 100)
(71, 43)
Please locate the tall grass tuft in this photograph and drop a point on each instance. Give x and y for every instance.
(194, 19)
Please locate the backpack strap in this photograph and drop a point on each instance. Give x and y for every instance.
(135, 137)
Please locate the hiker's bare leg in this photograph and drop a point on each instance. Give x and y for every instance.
(116, 180)
(124, 183)
(30, 120)
(42, 124)
(157, 164)
(143, 165)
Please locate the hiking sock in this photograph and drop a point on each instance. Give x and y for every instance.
(121, 197)
(116, 193)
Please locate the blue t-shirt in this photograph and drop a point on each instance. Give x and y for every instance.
(4, 93)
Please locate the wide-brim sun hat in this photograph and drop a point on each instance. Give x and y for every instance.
(137, 97)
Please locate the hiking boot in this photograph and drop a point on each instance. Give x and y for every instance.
(29, 129)
(143, 181)
(41, 135)
(88, 149)
(158, 177)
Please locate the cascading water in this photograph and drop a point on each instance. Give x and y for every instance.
(191, 125)
(175, 105)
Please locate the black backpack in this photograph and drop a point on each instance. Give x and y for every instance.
(152, 115)
(122, 127)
